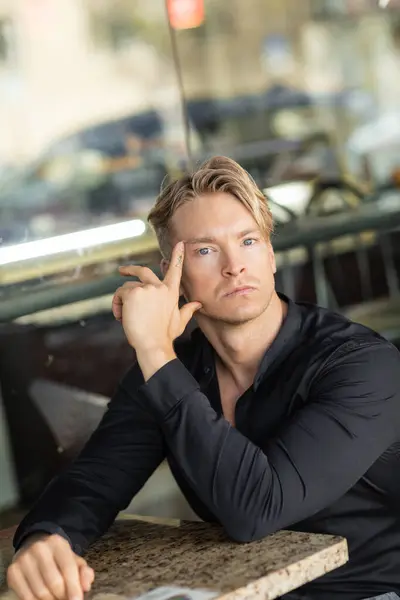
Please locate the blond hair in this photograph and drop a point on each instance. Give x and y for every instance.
(218, 174)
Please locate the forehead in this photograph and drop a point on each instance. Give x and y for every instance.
(213, 215)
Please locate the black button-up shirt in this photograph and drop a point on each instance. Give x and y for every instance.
(316, 447)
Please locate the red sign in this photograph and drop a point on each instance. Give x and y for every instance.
(185, 14)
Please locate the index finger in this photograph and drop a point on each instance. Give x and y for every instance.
(144, 274)
(173, 276)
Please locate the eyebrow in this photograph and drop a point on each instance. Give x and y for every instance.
(212, 240)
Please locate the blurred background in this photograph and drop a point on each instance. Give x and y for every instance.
(100, 100)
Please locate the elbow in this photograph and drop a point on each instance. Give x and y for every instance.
(255, 515)
(248, 531)
(240, 537)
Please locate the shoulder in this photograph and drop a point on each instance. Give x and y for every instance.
(336, 334)
(375, 356)
(363, 370)
(343, 350)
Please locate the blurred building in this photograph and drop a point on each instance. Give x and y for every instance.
(65, 64)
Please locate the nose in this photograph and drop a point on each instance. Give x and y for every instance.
(233, 265)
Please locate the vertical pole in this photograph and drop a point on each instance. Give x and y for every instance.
(178, 70)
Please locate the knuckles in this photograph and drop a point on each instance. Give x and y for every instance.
(40, 549)
(57, 541)
(137, 291)
(44, 594)
(144, 271)
(57, 585)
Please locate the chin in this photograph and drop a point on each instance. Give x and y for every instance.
(236, 316)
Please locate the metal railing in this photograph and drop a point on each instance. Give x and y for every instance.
(303, 232)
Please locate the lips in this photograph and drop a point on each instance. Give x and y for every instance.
(242, 290)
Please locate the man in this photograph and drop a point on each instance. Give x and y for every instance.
(273, 415)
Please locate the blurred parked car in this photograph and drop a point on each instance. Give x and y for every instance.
(115, 168)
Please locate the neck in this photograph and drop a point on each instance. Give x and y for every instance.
(240, 348)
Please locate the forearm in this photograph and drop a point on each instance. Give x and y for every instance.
(252, 490)
(120, 456)
(74, 506)
(220, 464)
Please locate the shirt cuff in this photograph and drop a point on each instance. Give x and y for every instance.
(168, 387)
(42, 527)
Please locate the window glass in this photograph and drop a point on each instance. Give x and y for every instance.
(102, 100)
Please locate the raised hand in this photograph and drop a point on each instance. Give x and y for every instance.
(149, 309)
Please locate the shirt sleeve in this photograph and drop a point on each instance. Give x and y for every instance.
(349, 420)
(126, 448)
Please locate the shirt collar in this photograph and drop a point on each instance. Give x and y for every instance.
(284, 342)
(282, 345)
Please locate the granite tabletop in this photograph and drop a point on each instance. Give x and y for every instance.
(136, 556)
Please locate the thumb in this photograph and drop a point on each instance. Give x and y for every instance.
(187, 311)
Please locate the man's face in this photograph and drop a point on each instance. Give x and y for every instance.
(229, 266)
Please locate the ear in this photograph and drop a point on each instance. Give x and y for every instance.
(272, 257)
(164, 264)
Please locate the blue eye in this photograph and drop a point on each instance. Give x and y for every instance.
(251, 240)
(203, 251)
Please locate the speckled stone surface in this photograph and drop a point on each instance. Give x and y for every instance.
(136, 556)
